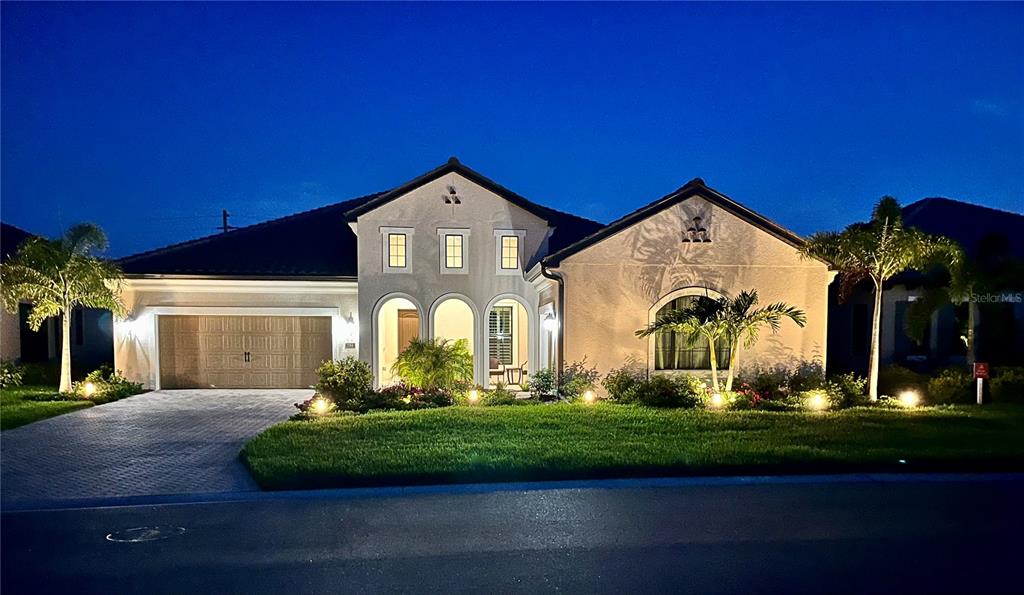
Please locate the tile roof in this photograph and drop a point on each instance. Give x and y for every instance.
(966, 223)
(319, 242)
(314, 243)
(10, 238)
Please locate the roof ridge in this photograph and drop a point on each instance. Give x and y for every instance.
(922, 201)
(246, 228)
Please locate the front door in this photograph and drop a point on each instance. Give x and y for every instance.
(408, 328)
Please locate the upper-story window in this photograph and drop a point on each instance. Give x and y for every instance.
(453, 251)
(453, 246)
(396, 250)
(395, 244)
(508, 250)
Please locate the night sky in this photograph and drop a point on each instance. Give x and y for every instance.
(150, 118)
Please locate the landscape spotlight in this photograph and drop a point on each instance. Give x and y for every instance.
(716, 400)
(817, 401)
(474, 396)
(320, 405)
(90, 389)
(910, 398)
(588, 396)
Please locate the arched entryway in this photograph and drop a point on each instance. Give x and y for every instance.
(397, 322)
(509, 335)
(453, 317)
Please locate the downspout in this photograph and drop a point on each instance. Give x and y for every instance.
(560, 351)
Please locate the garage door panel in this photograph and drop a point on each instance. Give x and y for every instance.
(209, 351)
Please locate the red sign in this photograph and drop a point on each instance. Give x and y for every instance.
(980, 371)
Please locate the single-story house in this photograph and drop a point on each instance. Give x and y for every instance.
(452, 254)
(993, 244)
(91, 328)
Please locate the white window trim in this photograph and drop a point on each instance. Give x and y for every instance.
(498, 233)
(443, 250)
(386, 251)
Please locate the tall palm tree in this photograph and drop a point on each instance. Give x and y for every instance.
(744, 323)
(56, 276)
(703, 320)
(879, 250)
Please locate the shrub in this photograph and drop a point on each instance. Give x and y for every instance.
(575, 379)
(436, 365)
(542, 385)
(952, 385)
(619, 381)
(500, 395)
(44, 374)
(10, 375)
(894, 379)
(1007, 385)
(781, 384)
(847, 390)
(665, 390)
(345, 382)
(106, 385)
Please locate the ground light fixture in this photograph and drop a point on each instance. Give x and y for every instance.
(90, 389)
(817, 401)
(716, 400)
(320, 406)
(474, 396)
(588, 397)
(910, 398)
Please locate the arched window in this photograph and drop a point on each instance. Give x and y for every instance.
(672, 351)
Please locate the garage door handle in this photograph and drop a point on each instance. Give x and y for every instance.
(248, 356)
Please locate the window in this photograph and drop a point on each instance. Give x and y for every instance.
(453, 246)
(452, 251)
(396, 250)
(395, 243)
(509, 252)
(672, 351)
(507, 243)
(500, 327)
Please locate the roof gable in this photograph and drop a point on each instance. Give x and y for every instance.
(695, 187)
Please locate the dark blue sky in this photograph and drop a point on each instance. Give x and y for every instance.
(150, 118)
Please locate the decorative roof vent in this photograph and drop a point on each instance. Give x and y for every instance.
(696, 232)
(451, 197)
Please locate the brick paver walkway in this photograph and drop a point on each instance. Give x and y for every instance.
(163, 442)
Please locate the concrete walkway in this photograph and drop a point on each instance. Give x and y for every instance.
(163, 442)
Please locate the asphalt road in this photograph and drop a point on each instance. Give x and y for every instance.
(954, 536)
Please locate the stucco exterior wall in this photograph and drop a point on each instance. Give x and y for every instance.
(611, 286)
(10, 336)
(136, 340)
(423, 210)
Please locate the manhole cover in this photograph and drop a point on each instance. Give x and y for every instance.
(142, 534)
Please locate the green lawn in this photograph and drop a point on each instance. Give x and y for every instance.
(17, 407)
(464, 444)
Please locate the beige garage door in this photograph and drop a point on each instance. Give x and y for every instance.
(242, 351)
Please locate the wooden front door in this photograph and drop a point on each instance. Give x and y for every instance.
(242, 351)
(408, 328)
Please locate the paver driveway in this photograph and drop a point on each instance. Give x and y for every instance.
(163, 442)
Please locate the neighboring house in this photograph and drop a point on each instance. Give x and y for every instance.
(452, 254)
(91, 345)
(993, 236)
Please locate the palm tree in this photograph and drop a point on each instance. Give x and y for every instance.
(704, 319)
(879, 250)
(56, 276)
(745, 324)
